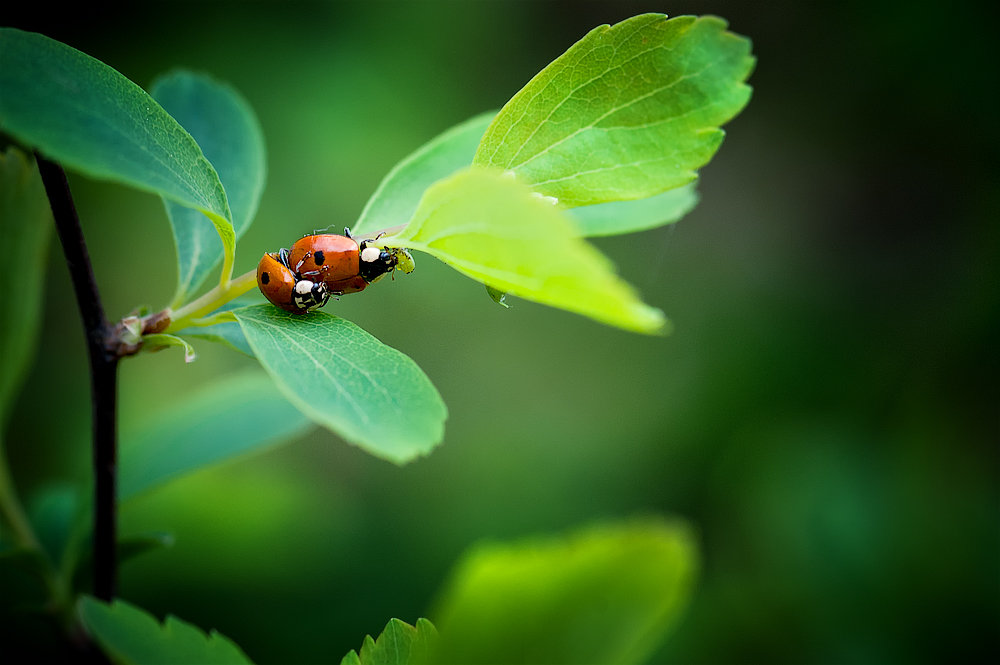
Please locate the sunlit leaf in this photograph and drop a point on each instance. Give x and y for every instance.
(617, 217)
(85, 115)
(131, 636)
(398, 195)
(399, 644)
(495, 230)
(605, 594)
(226, 128)
(629, 111)
(346, 380)
(25, 226)
(235, 415)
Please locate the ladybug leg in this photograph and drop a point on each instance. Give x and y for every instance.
(301, 261)
(283, 257)
(347, 232)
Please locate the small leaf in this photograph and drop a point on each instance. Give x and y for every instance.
(234, 416)
(629, 111)
(130, 547)
(617, 217)
(129, 635)
(25, 226)
(605, 594)
(495, 230)
(85, 115)
(346, 380)
(225, 127)
(158, 341)
(399, 644)
(398, 195)
(499, 297)
(227, 333)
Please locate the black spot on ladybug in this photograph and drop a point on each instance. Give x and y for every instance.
(265, 278)
(319, 257)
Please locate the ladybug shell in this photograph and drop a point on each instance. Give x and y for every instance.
(328, 258)
(277, 283)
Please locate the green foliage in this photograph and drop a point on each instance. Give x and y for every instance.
(629, 111)
(399, 644)
(84, 114)
(618, 217)
(25, 226)
(346, 380)
(232, 416)
(605, 594)
(399, 193)
(396, 199)
(131, 636)
(226, 128)
(495, 230)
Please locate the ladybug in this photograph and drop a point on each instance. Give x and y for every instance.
(318, 266)
(344, 264)
(284, 289)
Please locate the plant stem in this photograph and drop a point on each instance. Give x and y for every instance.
(212, 300)
(101, 347)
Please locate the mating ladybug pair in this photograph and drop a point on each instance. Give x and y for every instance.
(303, 278)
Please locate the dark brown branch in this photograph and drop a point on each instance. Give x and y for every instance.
(102, 343)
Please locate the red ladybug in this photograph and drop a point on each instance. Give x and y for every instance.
(344, 264)
(317, 266)
(284, 289)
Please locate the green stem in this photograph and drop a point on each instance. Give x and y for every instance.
(211, 301)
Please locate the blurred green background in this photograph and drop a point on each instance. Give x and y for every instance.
(824, 413)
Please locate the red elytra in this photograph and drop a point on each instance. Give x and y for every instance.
(280, 286)
(331, 259)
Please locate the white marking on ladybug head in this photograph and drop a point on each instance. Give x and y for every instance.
(303, 286)
(369, 254)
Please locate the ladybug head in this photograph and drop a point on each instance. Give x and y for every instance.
(375, 262)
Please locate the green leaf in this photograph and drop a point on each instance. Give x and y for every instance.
(399, 644)
(398, 195)
(233, 416)
(129, 635)
(496, 231)
(85, 115)
(227, 333)
(617, 217)
(25, 226)
(605, 594)
(346, 380)
(225, 127)
(629, 111)
(159, 341)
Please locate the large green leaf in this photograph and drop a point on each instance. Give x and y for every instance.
(225, 127)
(25, 226)
(495, 230)
(232, 416)
(131, 636)
(617, 217)
(87, 116)
(629, 111)
(399, 644)
(606, 594)
(346, 380)
(398, 195)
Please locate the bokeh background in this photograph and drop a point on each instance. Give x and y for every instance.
(824, 413)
